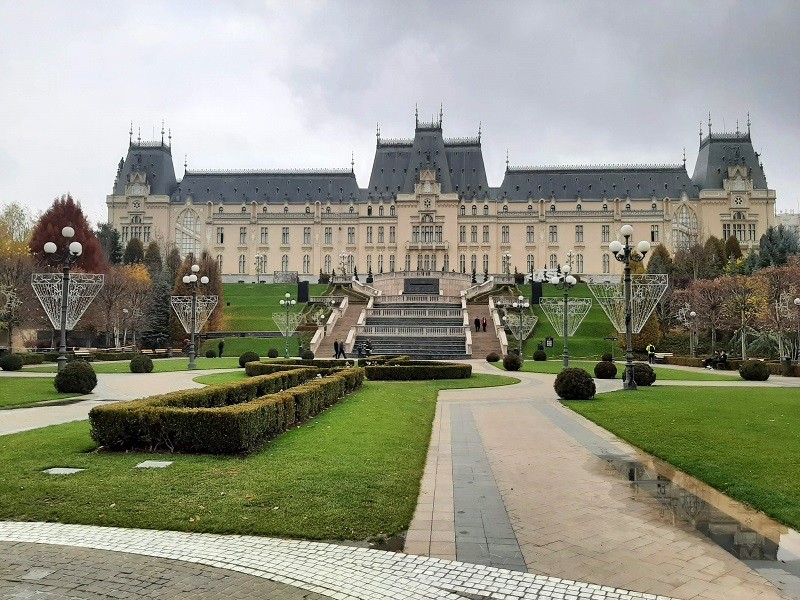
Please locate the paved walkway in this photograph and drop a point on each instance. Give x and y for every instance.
(570, 515)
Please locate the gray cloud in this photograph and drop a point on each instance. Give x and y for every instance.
(302, 84)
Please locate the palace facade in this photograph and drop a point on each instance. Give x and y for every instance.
(429, 206)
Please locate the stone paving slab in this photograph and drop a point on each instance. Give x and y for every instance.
(334, 571)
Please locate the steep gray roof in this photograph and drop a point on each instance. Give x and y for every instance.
(155, 159)
(270, 187)
(594, 182)
(718, 151)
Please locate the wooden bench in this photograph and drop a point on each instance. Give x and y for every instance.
(85, 354)
(662, 356)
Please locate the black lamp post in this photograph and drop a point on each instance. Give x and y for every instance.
(191, 281)
(521, 305)
(565, 282)
(797, 304)
(627, 254)
(692, 349)
(287, 302)
(65, 258)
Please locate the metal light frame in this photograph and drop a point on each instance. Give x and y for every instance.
(520, 304)
(192, 282)
(287, 302)
(565, 282)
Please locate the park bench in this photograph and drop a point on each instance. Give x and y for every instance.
(86, 354)
(662, 356)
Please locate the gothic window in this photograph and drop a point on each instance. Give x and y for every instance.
(380, 235)
(242, 236)
(530, 234)
(606, 264)
(328, 236)
(285, 236)
(392, 235)
(579, 263)
(474, 210)
(285, 209)
(219, 262)
(485, 234)
(327, 263)
(578, 234)
(446, 265)
(391, 210)
(351, 235)
(553, 261)
(505, 208)
(553, 232)
(605, 206)
(242, 264)
(380, 210)
(462, 210)
(485, 263)
(187, 233)
(530, 263)
(369, 235)
(307, 235)
(606, 233)
(462, 263)
(462, 234)
(244, 209)
(474, 262)
(654, 233)
(380, 263)
(285, 262)
(684, 228)
(391, 263)
(505, 234)
(369, 211)
(264, 235)
(306, 264)
(485, 209)
(474, 234)
(751, 232)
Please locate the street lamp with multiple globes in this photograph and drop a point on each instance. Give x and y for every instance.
(521, 305)
(692, 317)
(191, 281)
(65, 257)
(797, 304)
(626, 254)
(287, 302)
(565, 282)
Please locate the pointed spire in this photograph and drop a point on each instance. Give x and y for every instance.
(162, 132)
(701, 131)
(139, 139)
(684, 157)
(506, 159)
(352, 161)
(185, 163)
(480, 123)
(709, 123)
(169, 137)
(378, 132)
(130, 135)
(441, 113)
(748, 122)
(737, 126)
(416, 115)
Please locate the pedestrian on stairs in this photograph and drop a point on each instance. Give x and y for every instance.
(477, 324)
(484, 324)
(335, 348)
(341, 350)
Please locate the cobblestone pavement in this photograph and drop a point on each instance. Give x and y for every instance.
(571, 515)
(334, 571)
(47, 572)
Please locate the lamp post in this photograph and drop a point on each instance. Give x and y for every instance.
(627, 254)
(521, 305)
(507, 262)
(191, 281)
(287, 302)
(65, 258)
(565, 282)
(797, 304)
(692, 349)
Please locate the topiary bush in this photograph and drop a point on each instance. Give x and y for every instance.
(605, 370)
(643, 374)
(307, 355)
(247, 357)
(512, 362)
(575, 384)
(272, 353)
(607, 357)
(754, 370)
(11, 362)
(493, 357)
(77, 377)
(540, 355)
(141, 364)
(211, 354)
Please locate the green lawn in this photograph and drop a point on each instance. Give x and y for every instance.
(353, 472)
(553, 366)
(238, 346)
(19, 391)
(160, 365)
(588, 340)
(252, 305)
(743, 441)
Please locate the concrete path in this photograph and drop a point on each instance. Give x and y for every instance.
(111, 387)
(570, 514)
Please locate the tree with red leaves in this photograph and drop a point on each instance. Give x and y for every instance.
(65, 211)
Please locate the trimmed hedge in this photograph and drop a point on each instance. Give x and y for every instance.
(540, 356)
(605, 370)
(574, 384)
(211, 354)
(307, 355)
(643, 374)
(11, 362)
(222, 419)
(418, 370)
(77, 377)
(512, 362)
(493, 357)
(115, 355)
(31, 358)
(754, 370)
(272, 353)
(607, 357)
(141, 364)
(247, 357)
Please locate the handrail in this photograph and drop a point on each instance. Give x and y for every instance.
(499, 329)
(365, 288)
(414, 312)
(409, 330)
(430, 298)
(316, 341)
(479, 288)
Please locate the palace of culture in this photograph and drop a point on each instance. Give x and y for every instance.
(429, 206)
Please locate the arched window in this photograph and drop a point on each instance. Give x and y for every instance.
(473, 263)
(308, 210)
(628, 206)
(187, 233)
(264, 209)
(578, 207)
(474, 210)
(136, 219)
(306, 264)
(579, 263)
(219, 262)
(391, 210)
(285, 209)
(352, 209)
(530, 206)
(552, 207)
(327, 263)
(219, 209)
(380, 210)
(261, 263)
(653, 206)
(530, 263)
(244, 209)
(684, 228)
(462, 210)
(737, 216)
(553, 261)
(242, 264)
(369, 262)
(605, 206)
(285, 262)
(462, 263)
(505, 208)
(391, 263)
(485, 263)
(380, 263)
(351, 263)
(369, 211)
(328, 209)
(485, 209)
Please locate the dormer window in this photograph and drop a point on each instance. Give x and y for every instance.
(352, 210)
(628, 206)
(285, 209)
(530, 206)
(505, 208)
(485, 209)
(308, 210)
(653, 206)
(552, 207)
(328, 209)
(578, 207)
(220, 209)
(605, 206)
(462, 210)
(264, 210)
(369, 211)
(244, 209)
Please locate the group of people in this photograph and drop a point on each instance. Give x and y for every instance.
(338, 349)
(719, 358)
(480, 323)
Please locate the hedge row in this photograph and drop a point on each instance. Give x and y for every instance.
(225, 419)
(31, 358)
(733, 365)
(53, 356)
(415, 370)
(317, 362)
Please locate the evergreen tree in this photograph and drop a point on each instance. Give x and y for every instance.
(732, 248)
(65, 211)
(158, 317)
(173, 263)
(660, 260)
(134, 252)
(152, 258)
(776, 246)
(714, 251)
(110, 244)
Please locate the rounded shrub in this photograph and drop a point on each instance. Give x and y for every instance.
(247, 357)
(643, 374)
(754, 370)
(493, 357)
(574, 384)
(11, 362)
(607, 358)
(77, 377)
(307, 355)
(272, 353)
(512, 362)
(540, 355)
(141, 364)
(211, 354)
(605, 370)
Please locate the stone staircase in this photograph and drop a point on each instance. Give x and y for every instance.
(482, 343)
(341, 329)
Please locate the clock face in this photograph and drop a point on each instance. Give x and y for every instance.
(738, 185)
(137, 189)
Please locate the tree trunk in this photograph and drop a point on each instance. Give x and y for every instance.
(713, 339)
(744, 339)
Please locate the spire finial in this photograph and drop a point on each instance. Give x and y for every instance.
(480, 123)
(352, 161)
(162, 132)
(416, 115)
(748, 122)
(169, 137)
(684, 157)
(737, 126)
(139, 139)
(378, 132)
(709, 123)
(441, 113)
(185, 163)
(506, 159)
(701, 131)
(130, 135)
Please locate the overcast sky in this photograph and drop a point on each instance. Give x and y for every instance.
(293, 84)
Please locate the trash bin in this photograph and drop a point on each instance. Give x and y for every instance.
(786, 366)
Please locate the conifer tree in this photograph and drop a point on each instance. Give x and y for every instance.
(152, 258)
(134, 252)
(109, 240)
(173, 263)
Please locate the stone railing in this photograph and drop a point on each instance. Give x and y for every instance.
(447, 313)
(410, 330)
(479, 288)
(499, 328)
(427, 298)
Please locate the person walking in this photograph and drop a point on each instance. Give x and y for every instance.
(221, 347)
(483, 323)
(477, 324)
(335, 348)
(651, 353)
(341, 350)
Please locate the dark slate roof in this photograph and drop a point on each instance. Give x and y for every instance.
(458, 163)
(718, 151)
(272, 187)
(594, 182)
(155, 158)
